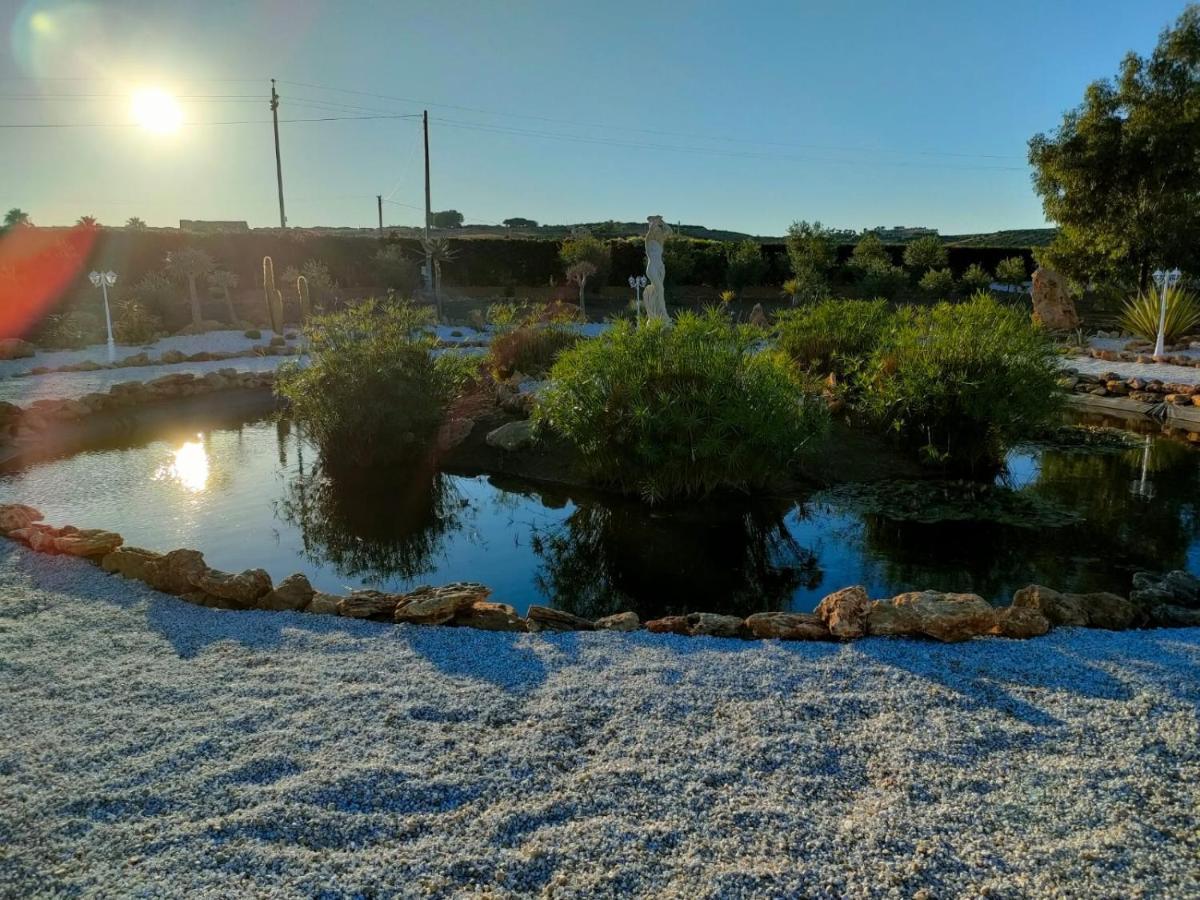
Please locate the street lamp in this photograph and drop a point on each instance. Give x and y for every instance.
(1165, 280)
(105, 280)
(637, 282)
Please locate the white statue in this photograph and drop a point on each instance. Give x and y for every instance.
(655, 299)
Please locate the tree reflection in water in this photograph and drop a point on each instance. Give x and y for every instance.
(617, 555)
(372, 525)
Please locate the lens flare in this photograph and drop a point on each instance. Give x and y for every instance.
(156, 110)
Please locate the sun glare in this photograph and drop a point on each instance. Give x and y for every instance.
(188, 467)
(157, 111)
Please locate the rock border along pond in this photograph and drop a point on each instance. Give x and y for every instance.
(1169, 600)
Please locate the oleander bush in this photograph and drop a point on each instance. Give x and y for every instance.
(133, 323)
(373, 392)
(962, 382)
(681, 411)
(832, 336)
(1141, 313)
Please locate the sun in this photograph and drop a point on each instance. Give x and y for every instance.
(156, 110)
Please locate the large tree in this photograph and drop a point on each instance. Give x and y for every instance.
(1120, 176)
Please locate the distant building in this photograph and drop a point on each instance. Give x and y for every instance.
(898, 234)
(211, 227)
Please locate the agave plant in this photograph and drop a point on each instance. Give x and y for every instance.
(1140, 315)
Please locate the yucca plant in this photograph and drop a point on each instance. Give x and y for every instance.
(1140, 315)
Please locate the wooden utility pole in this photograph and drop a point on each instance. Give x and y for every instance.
(379, 203)
(278, 164)
(428, 208)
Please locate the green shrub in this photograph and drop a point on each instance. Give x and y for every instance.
(680, 411)
(833, 335)
(1140, 315)
(373, 392)
(925, 253)
(963, 381)
(396, 271)
(937, 283)
(71, 330)
(134, 323)
(1011, 271)
(530, 350)
(884, 281)
(975, 278)
(253, 333)
(745, 264)
(870, 253)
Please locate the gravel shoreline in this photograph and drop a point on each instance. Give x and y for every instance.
(156, 748)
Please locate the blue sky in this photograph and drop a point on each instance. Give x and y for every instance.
(740, 115)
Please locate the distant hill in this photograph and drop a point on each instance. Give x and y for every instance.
(1018, 238)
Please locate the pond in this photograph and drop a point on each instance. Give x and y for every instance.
(1083, 511)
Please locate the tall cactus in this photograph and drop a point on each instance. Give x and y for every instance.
(273, 296)
(305, 305)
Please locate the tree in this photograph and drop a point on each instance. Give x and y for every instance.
(87, 222)
(1119, 175)
(225, 281)
(976, 278)
(16, 216)
(925, 253)
(583, 247)
(579, 273)
(811, 253)
(133, 223)
(744, 264)
(938, 283)
(1011, 271)
(189, 264)
(869, 253)
(447, 218)
(518, 222)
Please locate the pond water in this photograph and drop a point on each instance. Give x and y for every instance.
(1073, 514)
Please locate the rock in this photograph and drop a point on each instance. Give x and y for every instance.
(946, 617)
(1020, 622)
(243, 590)
(323, 604)
(1053, 308)
(668, 625)
(702, 624)
(439, 605)
(293, 593)
(845, 612)
(90, 543)
(174, 572)
(137, 359)
(1176, 588)
(369, 605)
(1096, 610)
(17, 515)
(545, 618)
(39, 537)
(453, 432)
(15, 348)
(622, 621)
(171, 357)
(788, 626)
(511, 436)
(131, 562)
(758, 316)
(1165, 615)
(489, 616)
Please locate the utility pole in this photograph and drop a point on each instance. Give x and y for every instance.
(379, 203)
(278, 164)
(428, 208)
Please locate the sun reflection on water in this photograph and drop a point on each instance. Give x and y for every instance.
(188, 466)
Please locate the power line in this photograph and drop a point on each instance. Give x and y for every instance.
(625, 129)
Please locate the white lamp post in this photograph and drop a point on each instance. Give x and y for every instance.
(637, 282)
(105, 280)
(1165, 281)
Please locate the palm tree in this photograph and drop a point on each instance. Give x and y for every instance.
(16, 216)
(87, 222)
(225, 281)
(190, 263)
(133, 223)
(437, 251)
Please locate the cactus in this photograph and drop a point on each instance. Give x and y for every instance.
(305, 305)
(273, 296)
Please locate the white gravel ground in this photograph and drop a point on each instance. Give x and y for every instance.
(209, 342)
(1162, 371)
(69, 385)
(153, 748)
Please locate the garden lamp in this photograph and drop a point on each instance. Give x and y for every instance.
(105, 280)
(637, 282)
(1166, 280)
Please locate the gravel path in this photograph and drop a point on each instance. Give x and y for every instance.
(153, 748)
(69, 385)
(1162, 371)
